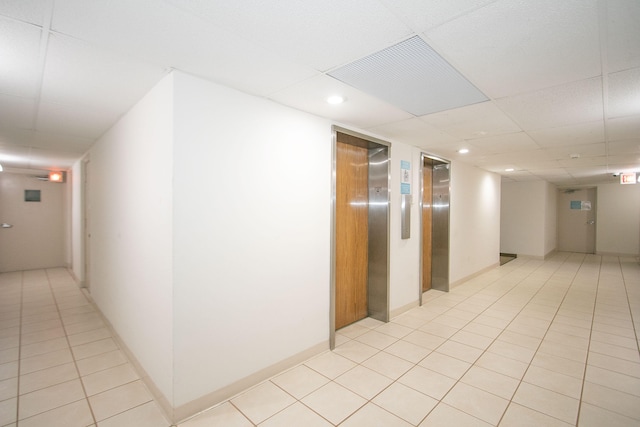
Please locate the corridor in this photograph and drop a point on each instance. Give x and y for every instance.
(529, 343)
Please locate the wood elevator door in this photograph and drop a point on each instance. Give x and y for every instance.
(427, 223)
(351, 233)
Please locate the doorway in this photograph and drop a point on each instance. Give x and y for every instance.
(360, 230)
(577, 220)
(435, 190)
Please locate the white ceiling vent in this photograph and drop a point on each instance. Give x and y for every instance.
(411, 76)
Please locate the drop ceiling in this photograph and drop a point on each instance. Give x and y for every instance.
(557, 82)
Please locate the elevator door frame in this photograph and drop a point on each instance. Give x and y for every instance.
(445, 286)
(382, 313)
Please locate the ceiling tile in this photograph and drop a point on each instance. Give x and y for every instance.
(505, 143)
(415, 131)
(68, 143)
(623, 34)
(14, 156)
(623, 128)
(31, 11)
(79, 74)
(624, 147)
(19, 49)
(510, 47)
(473, 121)
(584, 162)
(16, 111)
(624, 93)
(571, 103)
(303, 30)
(17, 136)
(422, 15)
(176, 39)
(40, 158)
(581, 133)
(359, 110)
(76, 121)
(587, 150)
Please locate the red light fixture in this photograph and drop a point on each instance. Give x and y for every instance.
(55, 176)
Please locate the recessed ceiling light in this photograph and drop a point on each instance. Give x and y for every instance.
(509, 170)
(336, 99)
(463, 150)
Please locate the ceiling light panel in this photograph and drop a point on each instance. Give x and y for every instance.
(411, 76)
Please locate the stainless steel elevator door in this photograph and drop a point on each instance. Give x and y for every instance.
(440, 228)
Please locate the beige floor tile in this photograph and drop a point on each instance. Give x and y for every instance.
(8, 388)
(119, 399)
(36, 318)
(9, 355)
(410, 352)
(405, 402)
(627, 332)
(296, 415)
(615, 351)
(521, 340)
(9, 342)
(546, 401)
(100, 362)
(388, 365)
(147, 415)
(224, 415)
(8, 411)
(77, 328)
(109, 378)
(356, 351)
(561, 350)
(428, 382)
(613, 380)
(334, 402)
(262, 402)
(43, 347)
(554, 381)
(484, 330)
(614, 364)
(41, 326)
(474, 340)
(76, 414)
(47, 335)
(445, 415)
(363, 381)
(394, 330)
(503, 365)
(439, 329)
(330, 364)
(460, 351)
(521, 416)
(490, 381)
(50, 398)
(492, 321)
(300, 381)
(376, 339)
(372, 415)
(8, 370)
(10, 332)
(479, 403)
(452, 321)
(94, 348)
(47, 377)
(593, 416)
(566, 339)
(612, 400)
(45, 361)
(445, 365)
(88, 337)
(559, 364)
(353, 330)
(424, 339)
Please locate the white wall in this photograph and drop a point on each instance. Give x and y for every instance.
(474, 221)
(528, 218)
(617, 219)
(251, 235)
(77, 229)
(131, 231)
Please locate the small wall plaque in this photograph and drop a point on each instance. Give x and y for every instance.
(31, 195)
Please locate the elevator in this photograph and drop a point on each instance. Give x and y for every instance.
(360, 230)
(435, 191)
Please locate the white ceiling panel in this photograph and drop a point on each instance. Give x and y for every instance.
(624, 147)
(16, 111)
(14, 156)
(415, 131)
(623, 34)
(624, 93)
(79, 74)
(50, 159)
(572, 103)
(67, 143)
(504, 48)
(19, 49)
(422, 15)
(582, 133)
(473, 121)
(623, 128)
(585, 162)
(161, 34)
(75, 121)
(17, 136)
(31, 11)
(360, 109)
(302, 30)
(587, 150)
(507, 142)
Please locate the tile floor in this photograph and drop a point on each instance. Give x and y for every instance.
(531, 343)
